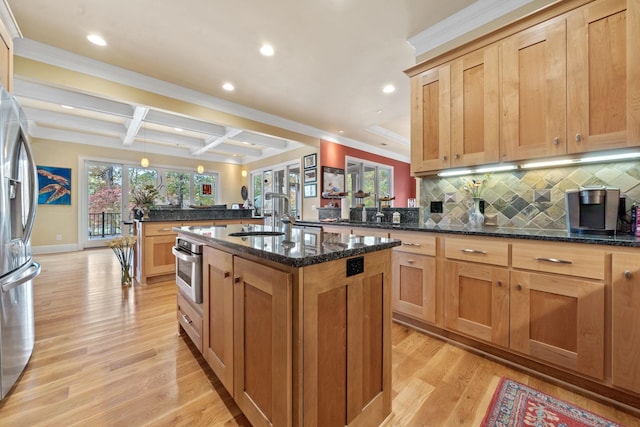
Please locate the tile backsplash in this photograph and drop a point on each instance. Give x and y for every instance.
(526, 198)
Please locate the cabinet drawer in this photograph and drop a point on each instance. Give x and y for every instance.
(562, 258)
(477, 250)
(376, 232)
(190, 320)
(160, 229)
(415, 242)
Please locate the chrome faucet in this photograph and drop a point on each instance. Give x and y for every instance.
(277, 217)
(379, 214)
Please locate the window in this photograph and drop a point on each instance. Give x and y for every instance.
(369, 177)
(283, 179)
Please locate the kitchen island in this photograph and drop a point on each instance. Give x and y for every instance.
(296, 327)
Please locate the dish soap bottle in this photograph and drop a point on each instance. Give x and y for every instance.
(364, 214)
(396, 217)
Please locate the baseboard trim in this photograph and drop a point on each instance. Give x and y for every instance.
(54, 249)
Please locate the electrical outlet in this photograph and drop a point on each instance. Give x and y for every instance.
(58, 236)
(313, 207)
(436, 207)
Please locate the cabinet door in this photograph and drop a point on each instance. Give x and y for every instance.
(158, 258)
(347, 343)
(475, 131)
(625, 324)
(431, 120)
(534, 92)
(217, 283)
(262, 343)
(476, 300)
(558, 320)
(414, 285)
(603, 63)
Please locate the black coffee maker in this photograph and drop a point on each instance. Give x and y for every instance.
(592, 210)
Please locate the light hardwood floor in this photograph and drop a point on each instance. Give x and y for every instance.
(106, 356)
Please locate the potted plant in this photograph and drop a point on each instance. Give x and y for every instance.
(144, 199)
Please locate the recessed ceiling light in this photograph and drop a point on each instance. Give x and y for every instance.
(228, 87)
(267, 50)
(96, 39)
(341, 131)
(379, 111)
(389, 89)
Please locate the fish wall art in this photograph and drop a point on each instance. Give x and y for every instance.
(54, 185)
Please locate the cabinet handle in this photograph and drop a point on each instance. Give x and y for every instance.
(411, 244)
(165, 229)
(499, 283)
(627, 274)
(410, 261)
(473, 251)
(456, 156)
(236, 279)
(554, 260)
(578, 137)
(519, 287)
(444, 157)
(556, 141)
(226, 274)
(186, 319)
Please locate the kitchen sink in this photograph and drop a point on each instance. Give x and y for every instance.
(256, 233)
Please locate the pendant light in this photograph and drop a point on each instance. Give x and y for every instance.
(200, 169)
(144, 162)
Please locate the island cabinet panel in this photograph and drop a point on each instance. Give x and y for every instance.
(534, 92)
(262, 343)
(559, 320)
(217, 277)
(625, 324)
(603, 62)
(190, 319)
(347, 352)
(159, 259)
(476, 301)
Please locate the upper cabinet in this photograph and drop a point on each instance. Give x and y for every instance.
(565, 80)
(534, 105)
(603, 69)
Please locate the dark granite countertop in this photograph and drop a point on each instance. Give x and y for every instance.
(625, 240)
(196, 214)
(308, 245)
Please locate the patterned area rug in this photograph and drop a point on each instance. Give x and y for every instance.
(515, 404)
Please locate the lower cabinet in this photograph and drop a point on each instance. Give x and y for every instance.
(559, 320)
(625, 322)
(347, 343)
(217, 301)
(190, 319)
(476, 300)
(262, 343)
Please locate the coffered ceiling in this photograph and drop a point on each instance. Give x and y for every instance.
(332, 59)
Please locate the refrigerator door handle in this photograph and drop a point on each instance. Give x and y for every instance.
(34, 191)
(7, 285)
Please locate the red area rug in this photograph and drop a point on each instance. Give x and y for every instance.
(515, 404)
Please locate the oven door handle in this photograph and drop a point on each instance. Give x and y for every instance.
(184, 257)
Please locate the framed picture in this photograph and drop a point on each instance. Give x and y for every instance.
(54, 185)
(310, 190)
(206, 189)
(332, 180)
(310, 161)
(310, 175)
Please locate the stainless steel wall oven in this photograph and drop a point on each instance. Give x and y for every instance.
(189, 268)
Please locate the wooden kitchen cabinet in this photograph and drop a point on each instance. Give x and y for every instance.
(476, 301)
(217, 302)
(414, 276)
(189, 319)
(347, 343)
(559, 320)
(431, 120)
(625, 323)
(603, 65)
(475, 116)
(262, 343)
(534, 92)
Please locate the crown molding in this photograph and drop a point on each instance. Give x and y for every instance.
(468, 19)
(9, 21)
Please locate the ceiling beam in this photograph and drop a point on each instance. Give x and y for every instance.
(57, 119)
(212, 142)
(134, 125)
(186, 123)
(258, 139)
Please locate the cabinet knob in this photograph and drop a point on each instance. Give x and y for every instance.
(457, 156)
(444, 157)
(226, 274)
(410, 261)
(499, 283)
(236, 279)
(627, 274)
(519, 287)
(556, 141)
(578, 137)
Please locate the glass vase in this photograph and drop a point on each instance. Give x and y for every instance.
(125, 278)
(476, 218)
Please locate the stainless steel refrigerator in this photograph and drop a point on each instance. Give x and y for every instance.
(18, 201)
